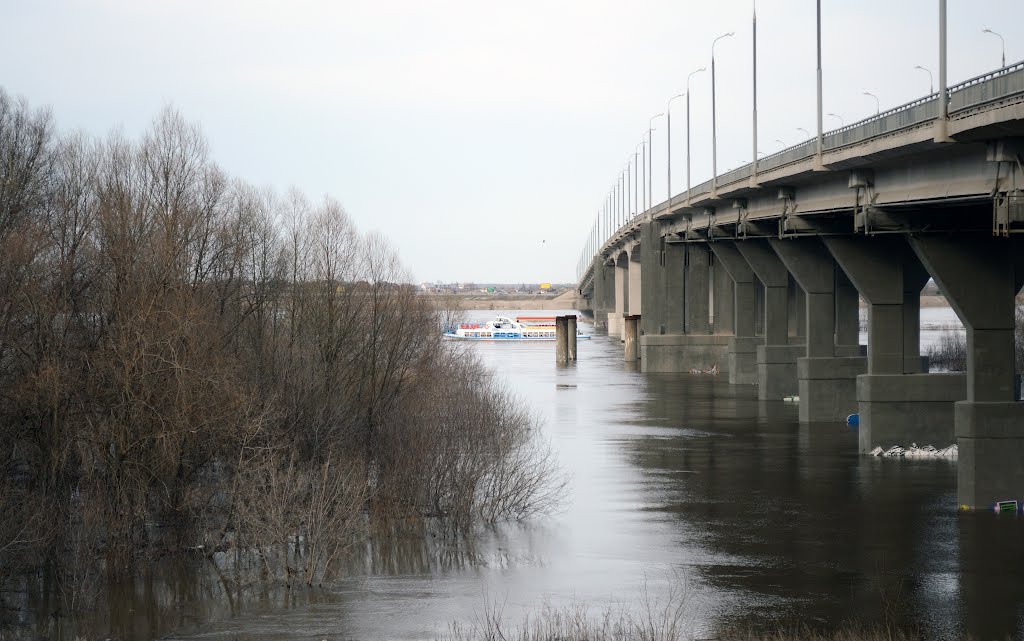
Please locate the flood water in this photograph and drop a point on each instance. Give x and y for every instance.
(676, 479)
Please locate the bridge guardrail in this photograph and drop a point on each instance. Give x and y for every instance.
(969, 94)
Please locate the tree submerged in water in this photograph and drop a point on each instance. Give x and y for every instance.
(187, 361)
(950, 352)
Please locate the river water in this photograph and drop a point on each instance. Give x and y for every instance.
(676, 480)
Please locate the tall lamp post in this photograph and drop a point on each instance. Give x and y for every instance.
(629, 201)
(638, 155)
(650, 159)
(987, 30)
(805, 132)
(821, 120)
(878, 107)
(692, 74)
(839, 118)
(668, 146)
(931, 79)
(714, 130)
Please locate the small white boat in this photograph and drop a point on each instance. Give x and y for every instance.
(503, 328)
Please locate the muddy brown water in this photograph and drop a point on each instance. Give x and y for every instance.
(675, 480)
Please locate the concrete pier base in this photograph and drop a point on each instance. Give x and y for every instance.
(991, 450)
(683, 352)
(828, 387)
(615, 325)
(742, 359)
(632, 331)
(776, 371)
(561, 339)
(902, 409)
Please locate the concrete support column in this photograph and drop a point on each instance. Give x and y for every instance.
(828, 383)
(743, 345)
(798, 309)
(896, 409)
(615, 324)
(980, 276)
(632, 328)
(571, 336)
(608, 305)
(722, 296)
(776, 358)
(652, 267)
(599, 294)
(635, 304)
(697, 290)
(561, 339)
(847, 313)
(675, 264)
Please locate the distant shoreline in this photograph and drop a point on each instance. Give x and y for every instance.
(567, 300)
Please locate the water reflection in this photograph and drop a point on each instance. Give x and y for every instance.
(769, 521)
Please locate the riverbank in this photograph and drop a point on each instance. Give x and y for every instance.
(542, 302)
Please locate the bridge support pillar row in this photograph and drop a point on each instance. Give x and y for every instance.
(697, 348)
(898, 404)
(980, 276)
(743, 345)
(776, 358)
(827, 382)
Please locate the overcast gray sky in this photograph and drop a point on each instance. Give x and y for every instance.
(480, 137)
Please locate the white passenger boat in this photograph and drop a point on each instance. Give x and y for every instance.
(503, 328)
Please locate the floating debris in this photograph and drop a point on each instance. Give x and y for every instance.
(1006, 507)
(713, 370)
(853, 420)
(565, 386)
(928, 451)
(791, 399)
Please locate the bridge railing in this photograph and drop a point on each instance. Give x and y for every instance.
(987, 88)
(970, 94)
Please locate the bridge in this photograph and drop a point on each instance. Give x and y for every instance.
(760, 271)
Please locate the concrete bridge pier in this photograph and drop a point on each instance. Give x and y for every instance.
(688, 265)
(827, 376)
(635, 289)
(980, 277)
(652, 267)
(742, 346)
(601, 290)
(898, 401)
(621, 292)
(776, 358)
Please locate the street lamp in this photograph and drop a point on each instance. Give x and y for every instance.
(714, 130)
(650, 159)
(878, 108)
(637, 157)
(931, 80)
(987, 30)
(806, 133)
(841, 123)
(668, 136)
(629, 201)
(781, 144)
(692, 74)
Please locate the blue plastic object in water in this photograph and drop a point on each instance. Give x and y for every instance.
(853, 420)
